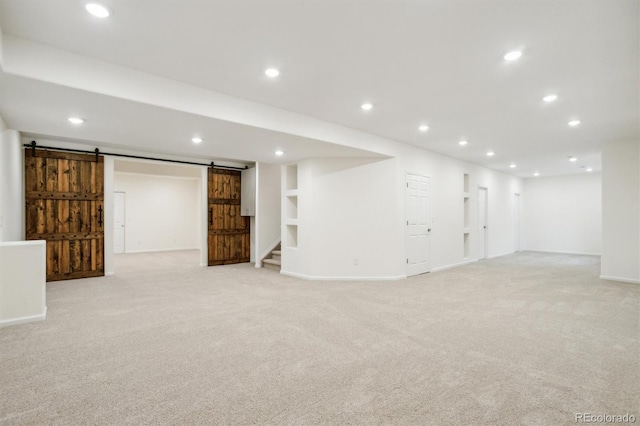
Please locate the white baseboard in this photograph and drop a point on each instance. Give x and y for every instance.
(338, 278)
(24, 320)
(108, 274)
(500, 254)
(623, 280)
(564, 252)
(161, 250)
(453, 265)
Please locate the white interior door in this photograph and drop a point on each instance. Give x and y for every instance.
(118, 222)
(418, 224)
(517, 222)
(482, 223)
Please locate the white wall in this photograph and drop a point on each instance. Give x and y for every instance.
(267, 219)
(162, 213)
(447, 188)
(11, 187)
(349, 218)
(563, 214)
(621, 211)
(355, 209)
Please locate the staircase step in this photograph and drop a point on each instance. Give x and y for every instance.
(276, 252)
(272, 262)
(276, 257)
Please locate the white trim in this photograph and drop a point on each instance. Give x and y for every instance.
(160, 250)
(24, 320)
(564, 252)
(493, 256)
(325, 278)
(22, 243)
(108, 274)
(453, 265)
(623, 280)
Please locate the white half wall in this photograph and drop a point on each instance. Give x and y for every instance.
(22, 282)
(621, 211)
(268, 193)
(11, 187)
(563, 214)
(162, 213)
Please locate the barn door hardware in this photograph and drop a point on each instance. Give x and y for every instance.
(97, 151)
(99, 215)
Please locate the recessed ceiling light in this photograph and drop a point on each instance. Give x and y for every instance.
(550, 98)
(573, 123)
(279, 153)
(536, 174)
(76, 120)
(512, 56)
(573, 159)
(97, 10)
(423, 128)
(512, 165)
(196, 140)
(589, 169)
(272, 72)
(462, 143)
(490, 153)
(366, 106)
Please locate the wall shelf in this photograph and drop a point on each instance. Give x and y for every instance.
(466, 218)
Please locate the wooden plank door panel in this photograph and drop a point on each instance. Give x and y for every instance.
(229, 233)
(64, 195)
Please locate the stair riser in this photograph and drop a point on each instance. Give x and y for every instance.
(276, 257)
(272, 267)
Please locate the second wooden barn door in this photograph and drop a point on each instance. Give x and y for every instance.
(64, 196)
(229, 232)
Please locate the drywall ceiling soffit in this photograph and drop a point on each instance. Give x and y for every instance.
(433, 61)
(41, 109)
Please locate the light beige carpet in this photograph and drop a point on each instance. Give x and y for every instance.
(529, 338)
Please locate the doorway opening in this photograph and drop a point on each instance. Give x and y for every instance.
(157, 216)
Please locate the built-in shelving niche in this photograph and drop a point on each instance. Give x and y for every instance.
(291, 206)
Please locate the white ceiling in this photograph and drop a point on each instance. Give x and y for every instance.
(432, 61)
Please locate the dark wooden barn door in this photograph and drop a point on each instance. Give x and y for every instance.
(229, 233)
(65, 206)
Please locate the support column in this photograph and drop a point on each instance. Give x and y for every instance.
(11, 187)
(621, 211)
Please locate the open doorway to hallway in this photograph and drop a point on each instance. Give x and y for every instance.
(157, 212)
